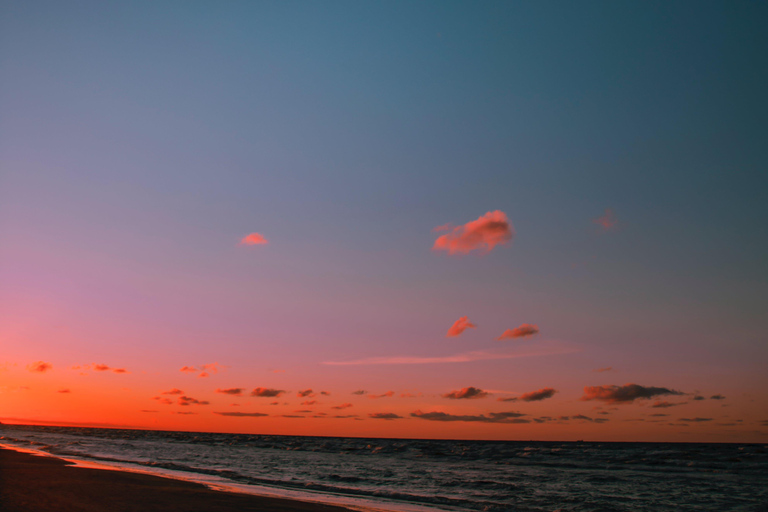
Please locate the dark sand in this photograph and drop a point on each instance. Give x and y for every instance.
(31, 483)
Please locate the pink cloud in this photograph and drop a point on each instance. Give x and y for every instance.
(342, 406)
(120, 370)
(241, 414)
(164, 401)
(305, 393)
(309, 402)
(253, 239)
(607, 221)
(494, 417)
(187, 400)
(483, 234)
(189, 369)
(174, 391)
(101, 367)
(39, 367)
(466, 393)
(519, 332)
(459, 326)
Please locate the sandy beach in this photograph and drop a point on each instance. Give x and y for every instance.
(30, 483)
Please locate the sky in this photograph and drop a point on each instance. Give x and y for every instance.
(480, 220)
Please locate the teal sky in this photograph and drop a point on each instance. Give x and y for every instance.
(141, 141)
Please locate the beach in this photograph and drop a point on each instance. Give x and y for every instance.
(30, 483)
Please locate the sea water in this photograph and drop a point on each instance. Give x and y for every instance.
(395, 474)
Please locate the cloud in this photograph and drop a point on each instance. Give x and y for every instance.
(241, 414)
(164, 401)
(384, 416)
(411, 395)
(64, 391)
(174, 391)
(342, 406)
(470, 392)
(325, 393)
(39, 367)
(535, 396)
(309, 402)
(519, 332)
(148, 410)
(581, 417)
(187, 400)
(231, 391)
(254, 239)
(359, 391)
(189, 369)
(607, 221)
(101, 367)
(204, 369)
(658, 404)
(459, 326)
(464, 357)
(345, 416)
(120, 370)
(627, 393)
(658, 415)
(717, 397)
(483, 234)
(305, 393)
(388, 394)
(507, 399)
(183, 412)
(698, 397)
(694, 420)
(267, 392)
(601, 370)
(494, 417)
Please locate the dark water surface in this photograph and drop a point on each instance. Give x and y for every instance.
(490, 476)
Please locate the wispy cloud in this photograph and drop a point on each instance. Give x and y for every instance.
(607, 221)
(483, 234)
(305, 393)
(173, 391)
(625, 394)
(39, 367)
(464, 357)
(188, 400)
(388, 394)
(342, 406)
(459, 326)
(519, 332)
(241, 414)
(203, 370)
(253, 239)
(359, 391)
(493, 417)
(658, 404)
(717, 397)
(466, 393)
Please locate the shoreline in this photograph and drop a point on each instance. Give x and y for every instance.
(32, 482)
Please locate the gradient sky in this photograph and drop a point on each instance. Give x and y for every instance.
(599, 170)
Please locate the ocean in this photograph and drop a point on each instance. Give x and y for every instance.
(414, 474)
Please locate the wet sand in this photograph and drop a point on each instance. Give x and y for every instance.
(30, 483)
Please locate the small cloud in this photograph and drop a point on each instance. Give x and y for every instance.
(267, 392)
(342, 406)
(627, 393)
(189, 369)
(231, 391)
(292, 416)
(581, 417)
(120, 370)
(174, 391)
(483, 234)
(64, 391)
(470, 392)
(535, 396)
(459, 326)
(658, 404)
(411, 395)
(384, 416)
(388, 394)
(187, 400)
(253, 239)
(698, 397)
(164, 401)
(309, 402)
(39, 367)
(519, 332)
(494, 417)
(148, 410)
(607, 221)
(274, 403)
(325, 393)
(345, 416)
(183, 412)
(695, 420)
(359, 392)
(101, 367)
(658, 415)
(717, 397)
(601, 370)
(507, 399)
(305, 393)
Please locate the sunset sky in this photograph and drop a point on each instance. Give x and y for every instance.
(487, 220)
